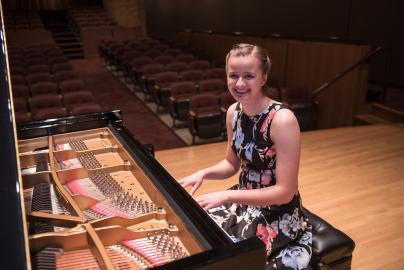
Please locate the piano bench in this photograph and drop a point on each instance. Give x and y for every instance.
(332, 249)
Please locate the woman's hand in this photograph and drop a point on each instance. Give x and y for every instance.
(211, 200)
(195, 180)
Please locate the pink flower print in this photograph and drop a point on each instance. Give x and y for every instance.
(249, 186)
(266, 178)
(262, 233)
(271, 152)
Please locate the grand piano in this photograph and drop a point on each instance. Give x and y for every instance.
(82, 192)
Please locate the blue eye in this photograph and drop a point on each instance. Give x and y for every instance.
(233, 76)
(249, 77)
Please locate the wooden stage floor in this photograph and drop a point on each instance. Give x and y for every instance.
(352, 177)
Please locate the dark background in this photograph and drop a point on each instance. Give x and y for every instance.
(378, 23)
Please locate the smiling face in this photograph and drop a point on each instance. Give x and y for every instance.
(245, 78)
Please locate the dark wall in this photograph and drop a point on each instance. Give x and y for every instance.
(378, 23)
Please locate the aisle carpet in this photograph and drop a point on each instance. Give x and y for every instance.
(112, 94)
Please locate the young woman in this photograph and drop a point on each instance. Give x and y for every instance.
(264, 139)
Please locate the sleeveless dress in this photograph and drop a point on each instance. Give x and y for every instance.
(283, 228)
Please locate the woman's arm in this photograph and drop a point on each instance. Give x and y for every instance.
(222, 170)
(285, 134)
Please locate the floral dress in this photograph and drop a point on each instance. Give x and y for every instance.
(283, 228)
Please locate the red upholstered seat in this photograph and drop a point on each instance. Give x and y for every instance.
(164, 59)
(42, 88)
(64, 75)
(46, 106)
(38, 69)
(187, 58)
(71, 85)
(38, 77)
(212, 86)
(215, 73)
(206, 119)
(57, 67)
(177, 66)
(85, 108)
(20, 91)
(199, 64)
(194, 75)
(179, 100)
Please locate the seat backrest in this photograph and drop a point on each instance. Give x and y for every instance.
(180, 88)
(201, 101)
(173, 52)
(64, 75)
(38, 77)
(17, 79)
(20, 104)
(20, 91)
(226, 99)
(211, 85)
(164, 59)
(71, 85)
(57, 67)
(215, 73)
(139, 62)
(166, 77)
(151, 69)
(177, 66)
(79, 97)
(192, 75)
(153, 53)
(45, 101)
(38, 69)
(42, 88)
(199, 64)
(187, 58)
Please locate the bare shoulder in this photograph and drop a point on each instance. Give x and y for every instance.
(284, 117)
(230, 111)
(284, 125)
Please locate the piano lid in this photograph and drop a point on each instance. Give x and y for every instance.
(12, 231)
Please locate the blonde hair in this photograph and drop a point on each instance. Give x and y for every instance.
(245, 49)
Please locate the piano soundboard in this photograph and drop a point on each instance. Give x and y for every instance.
(90, 206)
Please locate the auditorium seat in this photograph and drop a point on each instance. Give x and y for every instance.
(81, 101)
(164, 59)
(179, 100)
(38, 69)
(215, 73)
(205, 117)
(136, 65)
(38, 77)
(21, 110)
(212, 86)
(199, 64)
(43, 88)
(64, 76)
(71, 86)
(173, 52)
(187, 58)
(17, 70)
(85, 108)
(194, 75)
(147, 79)
(161, 90)
(20, 91)
(58, 67)
(298, 100)
(176, 66)
(46, 106)
(18, 80)
(153, 53)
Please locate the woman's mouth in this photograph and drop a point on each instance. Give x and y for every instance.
(240, 93)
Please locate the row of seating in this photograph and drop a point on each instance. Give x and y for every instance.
(79, 18)
(19, 20)
(174, 80)
(44, 85)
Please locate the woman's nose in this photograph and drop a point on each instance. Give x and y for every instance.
(240, 82)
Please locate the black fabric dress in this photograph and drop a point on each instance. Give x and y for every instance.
(283, 228)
